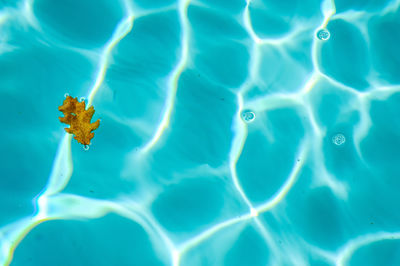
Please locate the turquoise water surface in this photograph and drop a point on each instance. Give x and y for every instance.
(233, 132)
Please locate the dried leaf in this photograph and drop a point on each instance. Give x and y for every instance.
(78, 118)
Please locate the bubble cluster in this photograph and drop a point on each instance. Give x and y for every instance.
(248, 116)
(323, 34)
(338, 139)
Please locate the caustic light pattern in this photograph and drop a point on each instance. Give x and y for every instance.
(233, 132)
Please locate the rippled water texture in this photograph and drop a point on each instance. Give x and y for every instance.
(233, 132)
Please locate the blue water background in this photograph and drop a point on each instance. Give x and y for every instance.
(174, 174)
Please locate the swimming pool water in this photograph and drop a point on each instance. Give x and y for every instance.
(233, 132)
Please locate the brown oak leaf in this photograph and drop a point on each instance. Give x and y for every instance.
(78, 118)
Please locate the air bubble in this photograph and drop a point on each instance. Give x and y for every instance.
(82, 99)
(338, 139)
(323, 34)
(248, 116)
(85, 147)
(66, 95)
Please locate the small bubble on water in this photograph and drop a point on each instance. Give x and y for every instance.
(82, 99)
(338, 139)
(248, 116)
(85, 147)
(323, 34)
(66, 95)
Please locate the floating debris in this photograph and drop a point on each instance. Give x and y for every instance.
(248, 116)
(338, 139)
(323, 34)
(76, 115)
